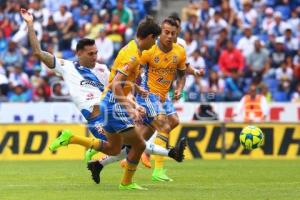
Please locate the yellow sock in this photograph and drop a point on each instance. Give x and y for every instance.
(86, 142)
(161, 140)
(130, 169)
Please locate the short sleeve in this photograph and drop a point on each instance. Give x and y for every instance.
(59, 65)
(182, 61)
(128, 66)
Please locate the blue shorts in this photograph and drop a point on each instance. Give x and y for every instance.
(95, 126)
(153, 106)
(113, 115)
(169, 107)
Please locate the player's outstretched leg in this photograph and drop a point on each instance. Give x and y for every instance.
(177, 153)
(62, 140)
(95, 167)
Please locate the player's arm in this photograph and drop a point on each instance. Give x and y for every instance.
(190, 70)
(44, 56)
(179, 84)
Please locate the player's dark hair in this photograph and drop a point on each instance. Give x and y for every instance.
(84, 42)
(175, 17)
(170, 21)
(148, 26)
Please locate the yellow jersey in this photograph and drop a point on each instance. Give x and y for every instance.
(128, 63)
(159, 68)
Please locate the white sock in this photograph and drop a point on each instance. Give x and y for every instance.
(111, 159)
(156, 149)
(151, 140)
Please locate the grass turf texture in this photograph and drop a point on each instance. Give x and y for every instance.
(193, 179)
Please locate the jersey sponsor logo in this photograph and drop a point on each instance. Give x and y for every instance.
(175, 59)
(91, 83)
(132, 58)
(163, 70)
(163, 81)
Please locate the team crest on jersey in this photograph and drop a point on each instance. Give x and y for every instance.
(156, 59)
(62, 62)
(175, 59)
(132, 58)
(99, 127)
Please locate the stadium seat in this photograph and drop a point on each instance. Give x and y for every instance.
(285, 11)
(280, 96)
(272, 84)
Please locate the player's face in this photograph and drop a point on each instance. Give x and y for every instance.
(168, 34)
(150, 41)
(88, 55)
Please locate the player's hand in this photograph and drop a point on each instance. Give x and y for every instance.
(142, 92)
(177, 95)
(26, 16)
(200, 72)
(136, 117)
(141, 110)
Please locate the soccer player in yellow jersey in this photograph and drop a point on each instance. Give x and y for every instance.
(161, 64)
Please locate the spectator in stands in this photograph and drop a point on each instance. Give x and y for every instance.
(40, 13)
(51, 28)
(3, 42)
(291, 43)
(277, 55)
(234, 86)
(191, 43)
(228, 13)
(205, 12)
(3, 85)
(61, 16)
(231, 58)
(197, 62)
(294, 21)
(278, 26)
(92, 28)
(18, 77)
(214, 85)
(248, 16)
(105, 47)
(268, 20)
(193, 25)
(19, 94)
(285, 72)
(126, 17)
(257, 61)
(40, 94)
(296, 64)
(84, 16)
(12, 56)
(66, 34)
(214, 26)
(30, 64)
(116, 30)
(58, 93)
(296, 95)
(246, 43)
(253, 106)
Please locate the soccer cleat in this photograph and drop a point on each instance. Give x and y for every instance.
(177, 152)
(95, 167)
(160, 175)
(62, 140)
(145, 159)
(131, 186)
(89, 154)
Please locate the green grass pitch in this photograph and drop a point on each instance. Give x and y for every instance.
(193, 179)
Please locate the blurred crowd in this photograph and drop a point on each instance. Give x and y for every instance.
(238, 42)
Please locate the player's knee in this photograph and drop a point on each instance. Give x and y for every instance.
(174, 122)
(115, 150)
(140, 146)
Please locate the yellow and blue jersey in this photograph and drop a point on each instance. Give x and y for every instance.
(159, 68)
(127, 63)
